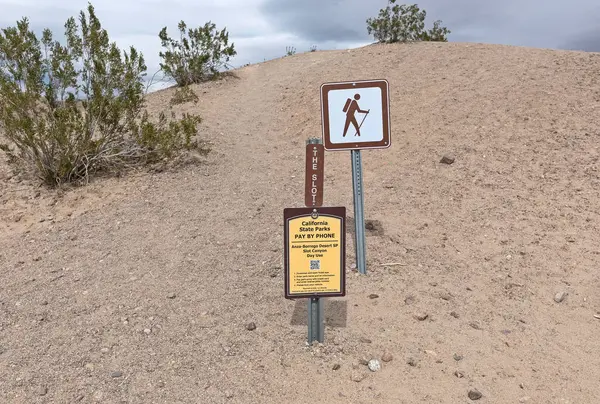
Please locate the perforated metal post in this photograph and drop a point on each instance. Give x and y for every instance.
(359, 215)
(316, 329)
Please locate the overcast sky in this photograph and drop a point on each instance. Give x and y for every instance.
(261, 29)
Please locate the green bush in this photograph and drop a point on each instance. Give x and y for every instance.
(290, 51)
(183, 95)
(404, 23)
(197, 56)
(72, 110)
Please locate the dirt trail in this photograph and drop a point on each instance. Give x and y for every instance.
(484, 245)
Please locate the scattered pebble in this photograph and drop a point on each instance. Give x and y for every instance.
(409, 300)
(597, 316)
(387, 357)
(251, 326)
(421, 316)
(524, 399)
(44, 303)
(365, 340)
(116, 374)
(412, 362)
(454, 314)
(363, 361)
(475, 325)
(357, 376)
(147, 331)
(373, 296)
(105, 350)
(42, 391)
(171, 296)
(353, 266)
(445, 296)
(475, 394)
(336, 366)
(560, 296)
(457, 357)
(228, 394)
(447, 159)
(374, 365)
(459, 373)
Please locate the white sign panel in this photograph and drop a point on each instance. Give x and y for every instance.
(355, 115)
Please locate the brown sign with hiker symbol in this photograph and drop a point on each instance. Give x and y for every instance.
(355, 115)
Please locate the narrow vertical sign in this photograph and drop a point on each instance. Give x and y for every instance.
(315, 156)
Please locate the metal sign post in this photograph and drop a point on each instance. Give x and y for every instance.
(343, 105)
(316, 323)
(314, 260)
(359, 213)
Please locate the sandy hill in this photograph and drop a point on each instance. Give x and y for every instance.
(155, 276)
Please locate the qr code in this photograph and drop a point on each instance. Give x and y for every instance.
(315, 264)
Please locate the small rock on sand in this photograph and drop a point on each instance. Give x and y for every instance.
(560, 296)
(357, 376)
(447, 159)
(374, 365)
(475, 394)
(421, 316)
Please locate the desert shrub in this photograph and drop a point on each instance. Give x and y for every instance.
(404, 23)
(75, 109)
(197, 56)
(290, 50)
(183, 95)
(165, 137)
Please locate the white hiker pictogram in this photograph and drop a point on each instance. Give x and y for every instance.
(351, 108)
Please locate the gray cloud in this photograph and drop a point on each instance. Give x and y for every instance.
(261, 29)
(318, 20)
(589, 41)
(537, 23)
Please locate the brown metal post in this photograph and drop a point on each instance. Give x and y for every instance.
(313, 197)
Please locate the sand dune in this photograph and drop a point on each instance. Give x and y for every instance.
(157, 274)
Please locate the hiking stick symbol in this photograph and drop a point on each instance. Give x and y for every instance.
(361, 122)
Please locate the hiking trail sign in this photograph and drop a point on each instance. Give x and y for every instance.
(356, 115)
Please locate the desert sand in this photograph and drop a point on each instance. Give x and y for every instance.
(139, 289)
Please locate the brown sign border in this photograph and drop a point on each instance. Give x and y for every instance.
(338, 212)
(309, 173)
(385, 104)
